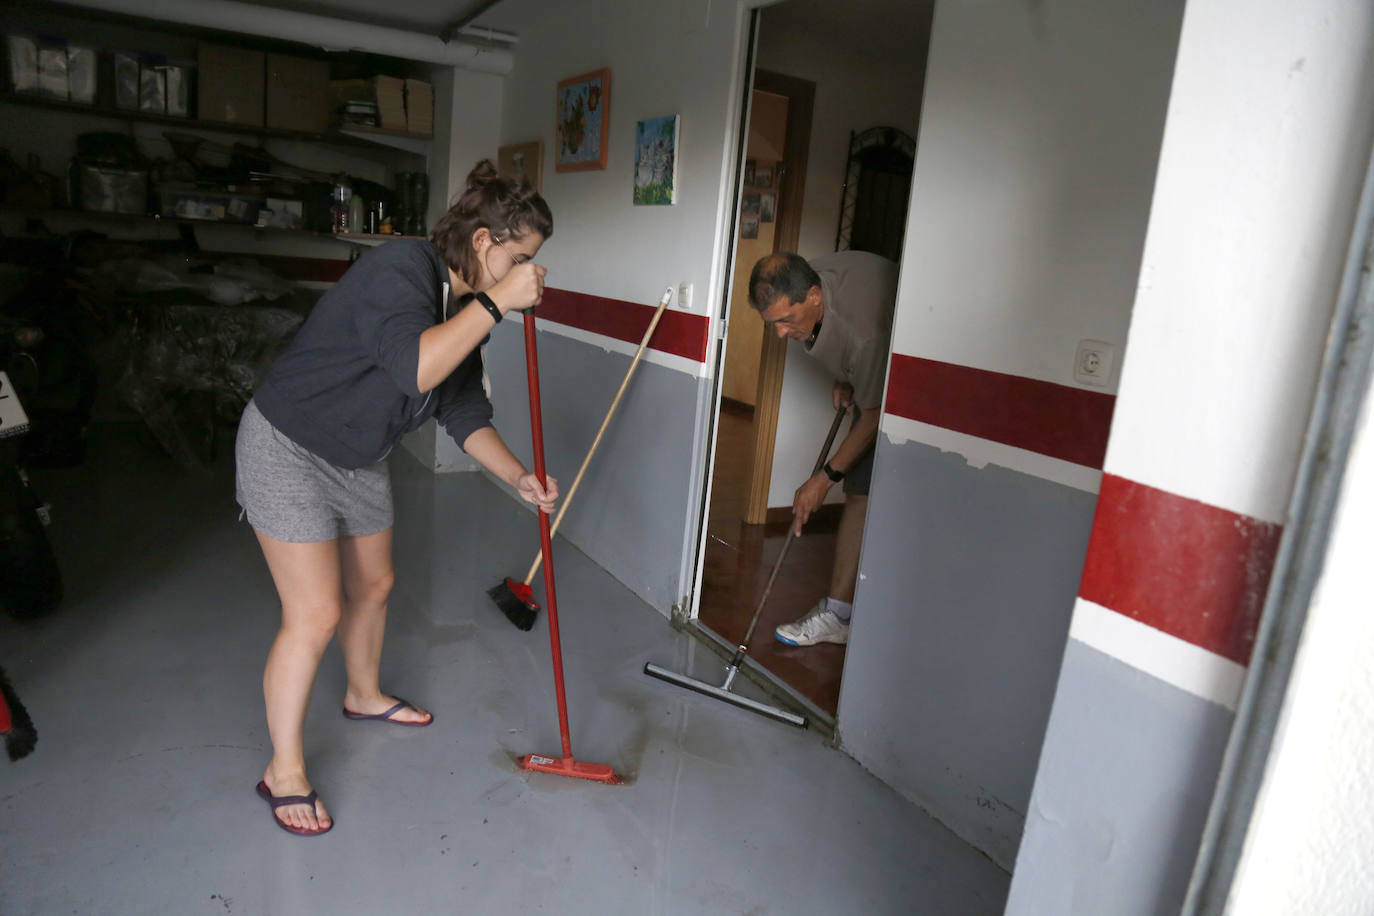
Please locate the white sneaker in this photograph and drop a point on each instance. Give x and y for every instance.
(819, 625)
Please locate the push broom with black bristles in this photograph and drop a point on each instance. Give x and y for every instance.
(516, 599)
(723, 692)
(20, 735)
(566, 765)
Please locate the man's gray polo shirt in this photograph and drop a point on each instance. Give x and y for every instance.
(860, 291)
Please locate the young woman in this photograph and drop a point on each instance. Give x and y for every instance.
(394, 342)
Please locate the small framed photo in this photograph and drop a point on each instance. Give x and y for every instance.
(522, 160)
(763, 176)
(768, 203)
(656, 161)
(749, 166)
(583, 116)
(749, 216)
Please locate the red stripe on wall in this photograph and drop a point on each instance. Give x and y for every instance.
(678, 333)
(1192, 570)
(1055, 420)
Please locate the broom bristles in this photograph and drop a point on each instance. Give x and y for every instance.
(516, 601)
(15, 724)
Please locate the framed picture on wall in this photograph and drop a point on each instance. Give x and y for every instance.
(656, 161)
(763, 176)
(749, 216)
(522, 160)
(583, 115)
(768, 203)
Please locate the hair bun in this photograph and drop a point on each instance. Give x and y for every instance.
(482, 174)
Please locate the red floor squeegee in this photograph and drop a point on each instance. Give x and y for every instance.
(566, 765)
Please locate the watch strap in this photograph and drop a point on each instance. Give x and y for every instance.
(834, 475)
(490, 306)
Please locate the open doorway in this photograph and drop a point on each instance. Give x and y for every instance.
(767, 437)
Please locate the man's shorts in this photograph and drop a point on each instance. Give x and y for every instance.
(291, 494)
(858, 477)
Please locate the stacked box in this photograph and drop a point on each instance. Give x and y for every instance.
(126, 79)
(232, 84)
(391, 101)
(420, 108)
(298, 93)
(81, 74)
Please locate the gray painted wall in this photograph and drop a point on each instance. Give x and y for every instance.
(1126, 777)
(629, 515)
(969, 579)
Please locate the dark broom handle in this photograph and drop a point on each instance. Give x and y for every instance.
(791, 529)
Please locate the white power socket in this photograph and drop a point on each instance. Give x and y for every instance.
(1092, 364)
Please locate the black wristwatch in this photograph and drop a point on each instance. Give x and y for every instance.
(834, 475)
(490, 306)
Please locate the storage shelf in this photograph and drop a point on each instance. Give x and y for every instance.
(356, 238)
(354, 136)
(369, 238)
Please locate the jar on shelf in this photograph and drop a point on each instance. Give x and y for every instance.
(419, 197)
(357, 214)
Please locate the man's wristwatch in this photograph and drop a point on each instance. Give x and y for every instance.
(834, 475)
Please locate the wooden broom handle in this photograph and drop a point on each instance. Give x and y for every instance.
(567, 500)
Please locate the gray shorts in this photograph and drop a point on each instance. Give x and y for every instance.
(858, 477)
(291, 494)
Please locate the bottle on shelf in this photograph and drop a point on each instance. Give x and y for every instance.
(341, 200)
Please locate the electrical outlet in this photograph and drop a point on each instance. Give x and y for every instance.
(1092, 364)
(684, 296)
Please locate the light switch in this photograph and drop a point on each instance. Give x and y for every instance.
(684, 296)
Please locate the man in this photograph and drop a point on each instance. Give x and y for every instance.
(839, 308)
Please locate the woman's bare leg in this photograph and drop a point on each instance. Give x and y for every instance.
(367, 579)
(308, 583)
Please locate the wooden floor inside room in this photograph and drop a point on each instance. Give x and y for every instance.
(739, 558)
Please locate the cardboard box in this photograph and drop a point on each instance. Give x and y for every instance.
(420, 108)
(232, 84)
(298, 93)
(391, 101)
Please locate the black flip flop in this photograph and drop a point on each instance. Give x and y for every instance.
(279, 801)
(386, 716)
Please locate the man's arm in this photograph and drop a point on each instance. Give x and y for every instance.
(863, 432)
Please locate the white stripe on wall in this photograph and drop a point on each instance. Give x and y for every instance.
(1172, 660)
(980, 452)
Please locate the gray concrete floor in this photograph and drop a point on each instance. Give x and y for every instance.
(145, 687)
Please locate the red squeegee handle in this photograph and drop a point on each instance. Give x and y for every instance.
(545, 535)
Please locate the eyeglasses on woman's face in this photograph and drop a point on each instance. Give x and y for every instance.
(516, 257)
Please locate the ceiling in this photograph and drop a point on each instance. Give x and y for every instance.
(430, 17)
(903, 22)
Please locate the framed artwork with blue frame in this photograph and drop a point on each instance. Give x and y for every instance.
(656, 160)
